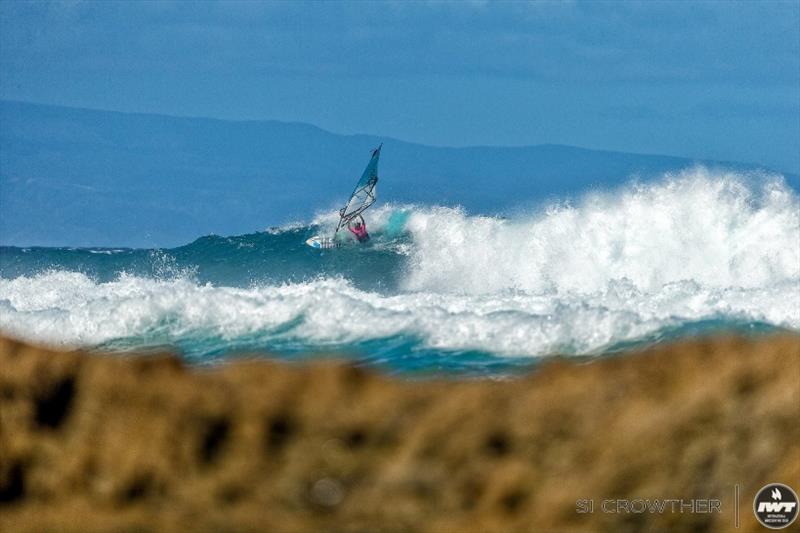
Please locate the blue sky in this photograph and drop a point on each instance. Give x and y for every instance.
(708, 80)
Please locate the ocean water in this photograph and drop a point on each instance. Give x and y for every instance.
(438, 290)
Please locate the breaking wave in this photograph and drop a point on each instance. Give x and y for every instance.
(650, 261)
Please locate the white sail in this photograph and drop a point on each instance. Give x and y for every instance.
(364, 194)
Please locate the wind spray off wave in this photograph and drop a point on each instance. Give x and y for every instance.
(714, 230)
(693, 251)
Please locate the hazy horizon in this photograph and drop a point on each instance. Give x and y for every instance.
(717, 81)
(394, 138)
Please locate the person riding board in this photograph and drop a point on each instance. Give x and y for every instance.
(359, 229)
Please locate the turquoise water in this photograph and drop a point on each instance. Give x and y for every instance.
(436, 290)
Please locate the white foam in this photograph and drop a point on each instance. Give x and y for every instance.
(613, 267)
(71, 309)
(707, 227)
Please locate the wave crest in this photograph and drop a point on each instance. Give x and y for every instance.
(573, 278)
(716, 229)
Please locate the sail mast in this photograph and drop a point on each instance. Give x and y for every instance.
(364, 194)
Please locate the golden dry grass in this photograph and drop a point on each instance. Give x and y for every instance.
(106, 443)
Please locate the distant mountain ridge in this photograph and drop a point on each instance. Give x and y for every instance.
(79, 177)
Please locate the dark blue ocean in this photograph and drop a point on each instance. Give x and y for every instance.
(438, 290)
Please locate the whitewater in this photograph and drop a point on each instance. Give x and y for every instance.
(438, 289)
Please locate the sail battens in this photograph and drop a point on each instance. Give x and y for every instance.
(364, 194)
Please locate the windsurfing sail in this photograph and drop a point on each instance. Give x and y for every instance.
(364, 194)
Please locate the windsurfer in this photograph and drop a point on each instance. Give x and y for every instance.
(359, 229)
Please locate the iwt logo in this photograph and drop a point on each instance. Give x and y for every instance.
(775, 506)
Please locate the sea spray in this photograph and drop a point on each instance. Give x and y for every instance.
(713, 229)
(438, 288)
